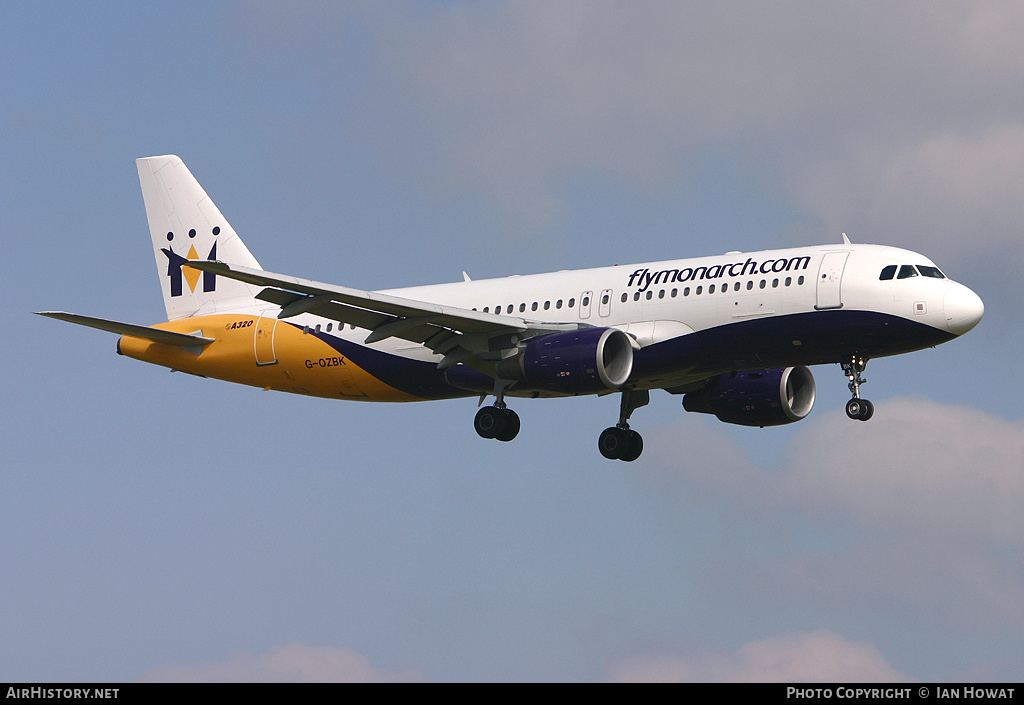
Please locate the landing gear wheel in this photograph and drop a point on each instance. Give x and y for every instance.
(860, 409)
(620, 444)
(857, 408)
(509, 425)
(488, 421)
(492, 422)
(610, 443)
(634, 447)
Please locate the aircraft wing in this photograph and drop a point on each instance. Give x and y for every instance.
(145, 332)
(457, 333)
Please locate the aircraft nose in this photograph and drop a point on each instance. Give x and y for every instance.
(963, 308)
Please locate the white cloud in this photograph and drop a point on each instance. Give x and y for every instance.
(919, 467)
(916, 512)
(532, 91)
(294, 663)
(960, 192)
(991, 37)
(894, 122)
(800, 657)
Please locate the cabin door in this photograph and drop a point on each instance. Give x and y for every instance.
(830, 279)
(265, 328)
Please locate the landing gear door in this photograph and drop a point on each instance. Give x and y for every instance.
(265, 328)
(830, 279)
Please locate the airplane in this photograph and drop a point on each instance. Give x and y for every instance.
(733, 334)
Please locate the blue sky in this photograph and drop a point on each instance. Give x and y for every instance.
(159, 526)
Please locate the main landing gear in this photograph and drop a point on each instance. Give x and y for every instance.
(497, 421)
(857, 408)
(620, 442)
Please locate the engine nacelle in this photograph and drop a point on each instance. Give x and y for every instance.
(578, 362)
(757, 398)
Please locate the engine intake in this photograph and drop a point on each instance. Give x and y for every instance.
(756, 398)
(578, 362)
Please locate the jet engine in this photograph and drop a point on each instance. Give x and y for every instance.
(756, 398)
(578, 362)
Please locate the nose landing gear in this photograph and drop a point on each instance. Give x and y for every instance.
(857, 408)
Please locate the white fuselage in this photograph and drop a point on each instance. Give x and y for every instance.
(657, 302)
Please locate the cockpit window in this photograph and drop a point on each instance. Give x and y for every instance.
(906, 271)
(930, 271)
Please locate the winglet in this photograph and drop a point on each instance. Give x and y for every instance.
(846, 240)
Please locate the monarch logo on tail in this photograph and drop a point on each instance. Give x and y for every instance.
(177, 269)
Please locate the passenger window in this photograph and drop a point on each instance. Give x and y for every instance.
(533, 306)
(510, 308)
(750, 285)
(636, 296)
(761, 285)
(558, 304)
(800, 281)
(675, 292)
(604, 299)
(650, 295)
(699, 289)
(711, 289)
(887, 273)
(928, 271)
(661, 294)
(906, 272)
(686, 291)
(547, 305)
(572, 302)
(624, 297)
(789, 280)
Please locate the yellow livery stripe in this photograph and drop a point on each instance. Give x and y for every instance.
(263, 352)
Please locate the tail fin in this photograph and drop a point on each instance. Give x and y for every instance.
(185, 224)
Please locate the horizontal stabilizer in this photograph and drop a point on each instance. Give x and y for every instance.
(145, 332)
